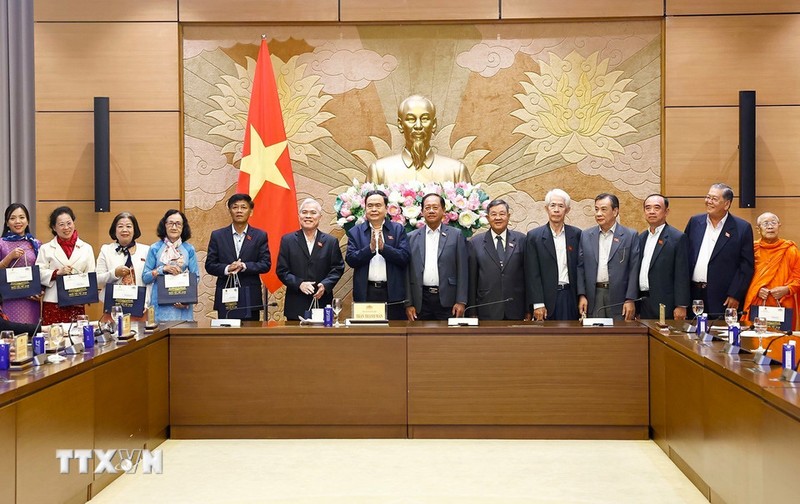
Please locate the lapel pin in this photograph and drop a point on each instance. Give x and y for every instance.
(319, 244)
(569, 247)
(510, 244)
(727, 234)
(616, 239)
(661, 242)
(389, 237)
(249, 237)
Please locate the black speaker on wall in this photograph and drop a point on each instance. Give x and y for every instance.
(747, 149)
(102, 156)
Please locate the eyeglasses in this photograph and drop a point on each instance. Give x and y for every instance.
(174, 224)
(64, 225)
(713, 199)
(769, 223)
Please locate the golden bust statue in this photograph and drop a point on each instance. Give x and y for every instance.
(416, 118)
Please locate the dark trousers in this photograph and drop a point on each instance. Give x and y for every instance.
(648, 309)
(566, 307)
(381, 295)
(432, 308)
(700, 293)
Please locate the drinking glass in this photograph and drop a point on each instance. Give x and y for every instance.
(337, 307)
(697, 307)
(116, 313)
(760, 325)
(82, 321)
(731, 316)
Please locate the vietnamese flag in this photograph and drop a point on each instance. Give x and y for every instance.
(265, 171)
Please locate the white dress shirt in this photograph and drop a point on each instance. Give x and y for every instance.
(377, 265)
(238, 240)
(503, 238)
(310, 243)
(560, 241)
(604, 251)
(430, 273)
(649, 248)
(700, 273)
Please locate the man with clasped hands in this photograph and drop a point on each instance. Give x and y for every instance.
(378, 252)
(241, 250)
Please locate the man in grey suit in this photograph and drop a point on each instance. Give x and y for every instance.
(551, 262)
(608, 264)
(664, 273)
(438, 274)
(497, 268)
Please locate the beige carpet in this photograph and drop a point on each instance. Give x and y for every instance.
(407, 472)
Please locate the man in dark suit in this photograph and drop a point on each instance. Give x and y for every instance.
(664, 271)
(608, 264)
(721, 258)
(309, 263)
(377, 250)
(497, 268)
(438, 274)
(551, 262)
(238, 250)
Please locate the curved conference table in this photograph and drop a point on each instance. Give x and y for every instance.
(731, 426)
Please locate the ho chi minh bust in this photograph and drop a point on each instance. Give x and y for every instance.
(416, 118)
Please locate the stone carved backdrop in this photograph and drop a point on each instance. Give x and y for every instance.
(527, 107)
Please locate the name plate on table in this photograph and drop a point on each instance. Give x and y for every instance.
(369, 312)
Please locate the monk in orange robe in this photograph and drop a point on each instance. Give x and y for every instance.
(777, 269)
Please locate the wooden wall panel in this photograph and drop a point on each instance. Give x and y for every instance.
(709, 59)
(105, 10)
(93, 227)
(214, 11)
(702, 148)
(135, 64)
(416, 10)
(145, 156)
(516, 9)
(679, 7)
(8, 447)
(785, 208)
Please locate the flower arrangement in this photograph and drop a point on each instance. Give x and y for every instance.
(465, 204)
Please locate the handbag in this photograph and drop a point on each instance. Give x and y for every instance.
(777, 317)
(127, 295)
(235, 299)
(77, 289)
(181, 288)
(20, 282)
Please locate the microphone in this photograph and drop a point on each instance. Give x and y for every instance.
(614, 305)
(489, 303)
(762, 359)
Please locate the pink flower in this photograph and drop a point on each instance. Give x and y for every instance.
(420, 224)
(453, 216)
(459, 201)
(409, 193)
(393, 209)
(345, 211)
(473, 203)
(485, 204)
(409, 201)
(446, 219)
(399, 219)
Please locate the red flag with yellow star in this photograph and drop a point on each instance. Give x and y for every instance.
(265, 171)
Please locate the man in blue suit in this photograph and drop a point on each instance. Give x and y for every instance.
(438, 275)
(720, 253)
(608, 264)
(377, 250)
(238, 250)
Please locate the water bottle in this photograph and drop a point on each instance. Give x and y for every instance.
(39, 344)
(327, 316)
(789, 354)
(88, 336)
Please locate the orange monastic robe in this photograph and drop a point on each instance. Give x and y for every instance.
(776, 264)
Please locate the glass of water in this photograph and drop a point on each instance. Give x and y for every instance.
(760, 326)
(337, 307)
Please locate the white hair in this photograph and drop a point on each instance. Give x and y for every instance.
(559, 193)
(310, 201)
(762, 218)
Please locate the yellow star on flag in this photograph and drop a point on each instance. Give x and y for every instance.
(261, 163)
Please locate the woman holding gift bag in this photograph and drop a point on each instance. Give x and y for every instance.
(122, 260)
(66, 254)
(171, 256)
(18, 248)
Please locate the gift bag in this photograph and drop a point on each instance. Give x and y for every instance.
(77, 289)
(777, 317)
(236, 300)
(19, 282)
(180, 288)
